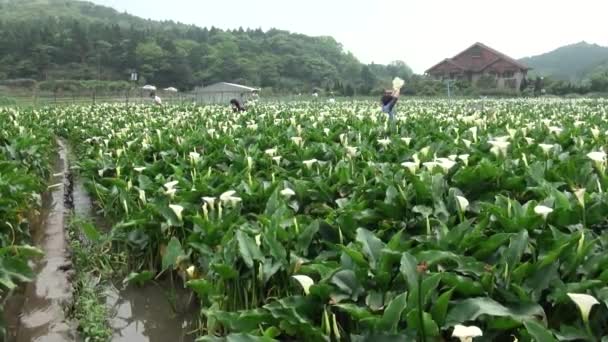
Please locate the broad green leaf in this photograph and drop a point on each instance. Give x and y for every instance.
(540, 333)
(439, 309)
(172, 253)
(201, 287)
(225, 271)
(375, 300)
(395, 242)
(355, 311)
(14, 269)
(347, 282)
(516, 249)
(306, 237)
(248, 249)
(428, 325)
(491, 244)
(276, 249)
(26, 251)
(139, 279)
(90, 232)
(426, 290)
(381, 337)
(372, 246)
(392, 314)
(470, 309)
(409, 270)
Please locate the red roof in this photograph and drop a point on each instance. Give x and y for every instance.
(485, 57)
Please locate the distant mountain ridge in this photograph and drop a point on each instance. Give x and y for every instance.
(573, 63)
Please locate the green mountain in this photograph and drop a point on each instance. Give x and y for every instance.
(50, 40)
(573, 63)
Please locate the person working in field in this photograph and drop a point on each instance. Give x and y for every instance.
(156, 99)
(390, 98)
(236, 106)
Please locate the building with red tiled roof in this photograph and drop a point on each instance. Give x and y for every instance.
(482, 62)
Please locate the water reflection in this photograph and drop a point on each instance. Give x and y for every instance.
(146, 315)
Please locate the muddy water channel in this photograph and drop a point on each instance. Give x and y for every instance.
(42, 316)
(156, 312)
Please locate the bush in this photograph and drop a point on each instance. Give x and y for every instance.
(84, 86)
(19, 83)
(499, 92)
(7, 101)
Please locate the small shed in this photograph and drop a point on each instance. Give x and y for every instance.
(223, 92)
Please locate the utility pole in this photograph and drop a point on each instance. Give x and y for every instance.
(449, 84)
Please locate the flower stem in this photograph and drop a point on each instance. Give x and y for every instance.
(420, 309)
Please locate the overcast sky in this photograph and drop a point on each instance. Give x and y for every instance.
(419, 32)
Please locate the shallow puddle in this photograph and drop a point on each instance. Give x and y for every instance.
(145, 314)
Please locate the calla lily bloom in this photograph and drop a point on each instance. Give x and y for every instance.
(287, 192)
(305, 281)
(543, 211)
(177, 209)
(466, 333)
(584, 302)
(463, 203)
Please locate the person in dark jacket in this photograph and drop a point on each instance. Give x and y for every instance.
(388, 101)
(236, 106)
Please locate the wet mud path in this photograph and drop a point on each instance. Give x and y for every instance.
(46, 299)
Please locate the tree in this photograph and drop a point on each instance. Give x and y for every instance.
(368, 80)
(69, 41)
(399, 69)
(599, 82)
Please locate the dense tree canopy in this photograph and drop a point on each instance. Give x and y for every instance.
(89, 42)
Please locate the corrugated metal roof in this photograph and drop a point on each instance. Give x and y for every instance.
(228, 85)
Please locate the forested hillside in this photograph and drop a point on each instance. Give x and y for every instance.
(73, 40)
(572, 63)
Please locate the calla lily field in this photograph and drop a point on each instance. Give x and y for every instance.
(309, 221)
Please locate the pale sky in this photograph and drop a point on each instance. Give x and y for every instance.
(419, 32)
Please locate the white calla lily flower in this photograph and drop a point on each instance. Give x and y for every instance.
(194, 156)
(384, 142)
(228, 197)
(584, 302)
(210, 201)
(298, 141)
(413, 167)
(287, 193)
(177, 209)
(446, 164)
(546, 148)
(170, 185)
(580, 196)
(351, 151)
(597, 156)
(466, 333)
(463, 203)
(305, 281)
(543, 211)
(464, 158)
(271, 152)
(310, 163)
